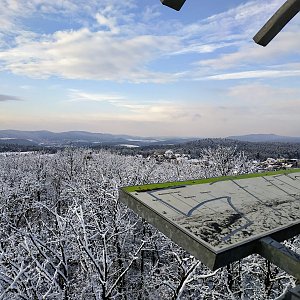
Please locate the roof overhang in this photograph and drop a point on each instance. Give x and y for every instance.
(175, 4)
(274, 25)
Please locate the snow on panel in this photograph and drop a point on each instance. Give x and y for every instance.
(223, 214)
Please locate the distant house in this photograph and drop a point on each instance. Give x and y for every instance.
(169, 154)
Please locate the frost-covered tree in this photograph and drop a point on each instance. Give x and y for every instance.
(64, 234)
(223, 161)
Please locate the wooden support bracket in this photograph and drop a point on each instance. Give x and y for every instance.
(175, 4)
(280, 255)
(276, 23)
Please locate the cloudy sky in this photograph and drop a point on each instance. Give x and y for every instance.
(138, 67)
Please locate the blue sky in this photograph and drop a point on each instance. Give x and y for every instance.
(138, 67)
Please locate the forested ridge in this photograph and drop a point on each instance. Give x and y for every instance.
(64, 234)
(253, 150)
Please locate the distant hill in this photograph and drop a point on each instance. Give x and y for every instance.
(81, 138)
(273, 138)
(255, 146)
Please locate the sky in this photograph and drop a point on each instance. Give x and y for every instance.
(138, 67)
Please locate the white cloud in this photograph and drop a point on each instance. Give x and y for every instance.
(107, 22)
(257, 114)
(16, 10)
(252, 54)
(267, 102)
(137, 110)
(151, 12)
(246, 59)
(115, 43)
(247, 93)
(84, 54)
(26, 87)
(246, 108)
(80, 96)
(256, 74)
(156, 110)
(242, 58)
(106, 47)
(243, 109)
(202, 48)
(234, 24)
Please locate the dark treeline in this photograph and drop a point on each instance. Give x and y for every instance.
(25, 148)
(260, 151)
(252, 150)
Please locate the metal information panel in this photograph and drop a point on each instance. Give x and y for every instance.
(220, 220)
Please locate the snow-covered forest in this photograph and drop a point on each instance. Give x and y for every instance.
(64, 234)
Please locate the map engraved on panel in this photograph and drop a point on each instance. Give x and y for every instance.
(228, 212)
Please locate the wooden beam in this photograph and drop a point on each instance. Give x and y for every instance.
(280, 255)
(276, 23)
(175, 4)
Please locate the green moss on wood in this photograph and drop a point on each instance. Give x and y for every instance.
(156, 186)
